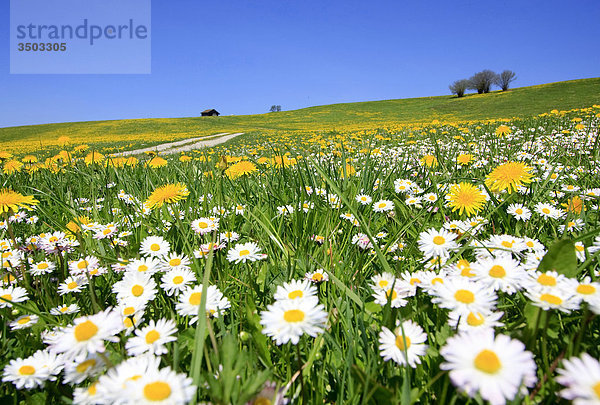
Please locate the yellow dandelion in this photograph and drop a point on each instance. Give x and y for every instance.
(240, 169)
(12, 166)
(574, 205)
(157, 161)
(62, 140)
(29, 159)
(465, 197)
(185, 158)
(464, 159)
(93, 157)
(509, 176)
(5, 155)
(169, 194)
(12, 200)
(429, 161)
(503, 130)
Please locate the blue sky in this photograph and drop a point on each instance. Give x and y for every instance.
(241, 56)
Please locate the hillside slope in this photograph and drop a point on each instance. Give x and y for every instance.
(521, 101)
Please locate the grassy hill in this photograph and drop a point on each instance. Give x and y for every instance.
(517, 102)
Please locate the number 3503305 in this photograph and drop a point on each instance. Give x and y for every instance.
(42, 47)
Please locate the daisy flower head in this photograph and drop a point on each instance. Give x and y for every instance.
(581, 377)
(65, 309)
(152, 338)
(383, 281)
(383, 206)
(155, 246)
(87, 334)
(175, 261)
(509, 176)
(135, 287)
(148, 265)
(494, 366)
(295, 289)
(73, 284)
(465, 197)
(548, 211)
(499, 273)
(394, 295)
(585, 290)
(318, 276)
(405, 344)
(474, 320)
(464, 296)
(24, 321)
(190, 299)
(555, 298)
(243, 252)
(33, 371)
(437, 243)
(163, 386)
(113, 384)
(202, 226)
(42, 267)
(84, 265)
(11, 294)
(78, 370)
(176, 281)
(364, 199)
(286, 321)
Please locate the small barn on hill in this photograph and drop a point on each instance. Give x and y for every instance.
(210, 113)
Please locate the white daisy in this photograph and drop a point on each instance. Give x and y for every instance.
(286, 321)
(581, 377)
(152, 338)
(243, 252)
(295, 289)
(496, 367)
(155, 246)
(135, 287)
(176, 281)
(405, 342)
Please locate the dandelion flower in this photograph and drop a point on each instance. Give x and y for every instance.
(12, 201)
(465, 197)
(167, 194)
(509, 176)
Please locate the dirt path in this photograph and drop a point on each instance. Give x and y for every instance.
(184, 145)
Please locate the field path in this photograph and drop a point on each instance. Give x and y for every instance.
(184, 145)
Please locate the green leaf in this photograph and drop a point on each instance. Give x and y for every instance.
(560, 258)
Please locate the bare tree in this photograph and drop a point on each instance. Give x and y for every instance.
(505, 78)
(275, 108)
(483, 81)
(459, 87)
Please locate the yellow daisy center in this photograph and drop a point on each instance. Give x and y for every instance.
(128, 311)
(155, 247)
(439, 240)
(497, 271)
(157, 391)
(72, 285)
(400, 342)
(475, 319)
(414, 281)
(586, 289)
(261, 401)
(137, 290)
(464, 296)
(507, 244)
(293, 315)
(83, 367)
(142, 268)
(383, 283)
(27, 370)
(295, 294)
(92, 389)
(437, 280)
(244, 252)
(195, 298)
(6, 297)
(488, 362)
(152, 336)
(42, 266)
(391, 292)
(317, 277)
(175, 262)
(551, 299)
(547, 280)
(597, 389)
(177, 280)
(85, 331)
(24, 320)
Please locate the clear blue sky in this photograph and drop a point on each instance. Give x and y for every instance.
(242, 56)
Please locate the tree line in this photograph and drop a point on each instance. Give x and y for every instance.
(483, 82)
